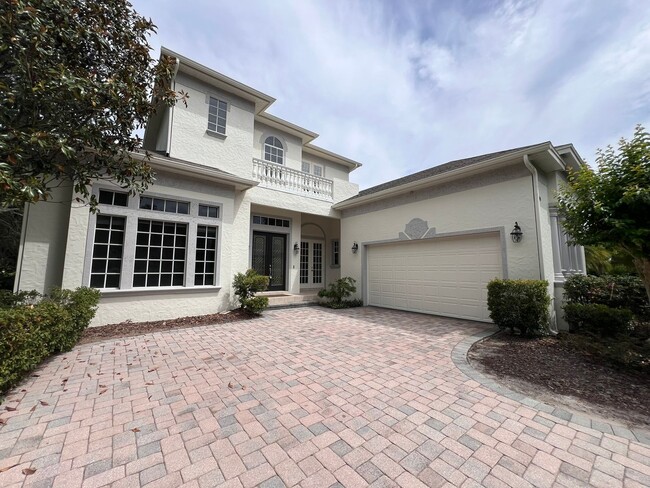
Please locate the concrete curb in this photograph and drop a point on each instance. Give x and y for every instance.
(459, 357)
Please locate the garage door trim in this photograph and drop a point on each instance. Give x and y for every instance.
(431, 236)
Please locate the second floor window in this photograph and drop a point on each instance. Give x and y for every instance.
(217, 116)
(273, 150)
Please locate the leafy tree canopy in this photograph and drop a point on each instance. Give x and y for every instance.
(610, 206)
(76, 81)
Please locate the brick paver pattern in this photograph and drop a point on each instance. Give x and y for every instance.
(301, 397)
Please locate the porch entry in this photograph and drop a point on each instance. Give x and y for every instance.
(311, 263)
(269, 258)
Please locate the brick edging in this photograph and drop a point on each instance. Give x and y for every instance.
(459, 357)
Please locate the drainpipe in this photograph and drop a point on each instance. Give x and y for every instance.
(538, 232)
(538, 229)
(171, 109)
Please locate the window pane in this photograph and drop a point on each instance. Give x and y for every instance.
(203, 211)
(157, 269)
(106, 197)
(145, 203)
(121, 199)
(109, 241)
(205, 258)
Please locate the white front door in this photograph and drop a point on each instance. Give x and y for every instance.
(311, 264)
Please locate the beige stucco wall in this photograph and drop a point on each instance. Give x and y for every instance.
(142, 304)
(191, 141)
(479, 202)
(45, 228)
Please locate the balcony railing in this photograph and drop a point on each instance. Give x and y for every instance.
(279, 177)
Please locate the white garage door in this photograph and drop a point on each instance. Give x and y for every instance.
(445, 276)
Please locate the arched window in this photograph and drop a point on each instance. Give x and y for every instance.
(273, 150)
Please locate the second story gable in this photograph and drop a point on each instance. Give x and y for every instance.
(225, 125)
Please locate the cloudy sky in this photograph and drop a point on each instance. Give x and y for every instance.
(405, 85)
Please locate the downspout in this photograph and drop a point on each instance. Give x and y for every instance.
(538, 231)
(171, 115)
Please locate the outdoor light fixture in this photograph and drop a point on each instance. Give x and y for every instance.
(355, 248)
(296, 248)
(516, 233)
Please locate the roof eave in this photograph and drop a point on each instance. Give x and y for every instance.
(423, 183)
(330, 156)
(261, 100)
(202, 172)
(305, 135)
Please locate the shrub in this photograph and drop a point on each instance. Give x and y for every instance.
(613, 291)
(32, 330)
(520, 304)
(596, 317)
(245, 285)
(337, 292)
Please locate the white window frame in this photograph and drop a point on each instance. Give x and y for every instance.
(132, 213)
(218, 101)
(279, 151)
(336, 251)
(310, 169)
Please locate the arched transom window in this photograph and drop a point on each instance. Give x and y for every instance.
(273, 150)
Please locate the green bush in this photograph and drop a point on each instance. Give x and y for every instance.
(31, 330)
(613, 291)
(598, 318)
(520, 304)
(245, 285)
(337, 293)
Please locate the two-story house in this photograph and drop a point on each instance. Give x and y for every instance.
(238, 188)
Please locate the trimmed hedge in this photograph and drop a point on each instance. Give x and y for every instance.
(338, 292)
(520, 304)
(612, 291)
(245, 285)
(30, 332)
(598, 318)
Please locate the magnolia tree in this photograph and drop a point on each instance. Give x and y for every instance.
(76, 81)
(610, 206)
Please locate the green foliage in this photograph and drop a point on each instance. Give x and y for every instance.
(598, 318)
(75, 83)
(613, 291)
(603, 261)
(337, 292)
(11, 220)
(30, 332)
(520, 304)
(245, 285)
(610, 207)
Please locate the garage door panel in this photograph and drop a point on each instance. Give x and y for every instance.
(438, 276)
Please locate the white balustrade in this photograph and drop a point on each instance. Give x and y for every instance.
(279, 177)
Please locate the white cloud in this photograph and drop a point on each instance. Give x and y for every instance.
(402, 86)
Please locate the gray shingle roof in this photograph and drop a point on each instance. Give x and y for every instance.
(442, 168)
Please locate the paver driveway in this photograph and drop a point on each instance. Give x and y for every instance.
(302, 397)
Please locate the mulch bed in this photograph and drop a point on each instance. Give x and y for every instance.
(127, 329)
(551, 371)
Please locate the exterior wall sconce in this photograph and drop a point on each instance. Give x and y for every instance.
(516, 233)
(355, 248)
(296, 248)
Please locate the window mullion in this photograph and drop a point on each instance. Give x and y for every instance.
(128, 256)
(190, 258)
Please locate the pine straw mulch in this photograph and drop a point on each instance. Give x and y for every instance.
(128, 328)
(549, 370)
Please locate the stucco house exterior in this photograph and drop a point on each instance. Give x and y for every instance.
(239, 188)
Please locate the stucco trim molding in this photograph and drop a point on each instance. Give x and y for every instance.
(416, 229)
(430, 234)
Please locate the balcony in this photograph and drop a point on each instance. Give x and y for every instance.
(281, 178)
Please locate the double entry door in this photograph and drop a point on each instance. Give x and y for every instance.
(270, 258)
(311, 264)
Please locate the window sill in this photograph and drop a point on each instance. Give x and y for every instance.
(212, 133)
(159, 290)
